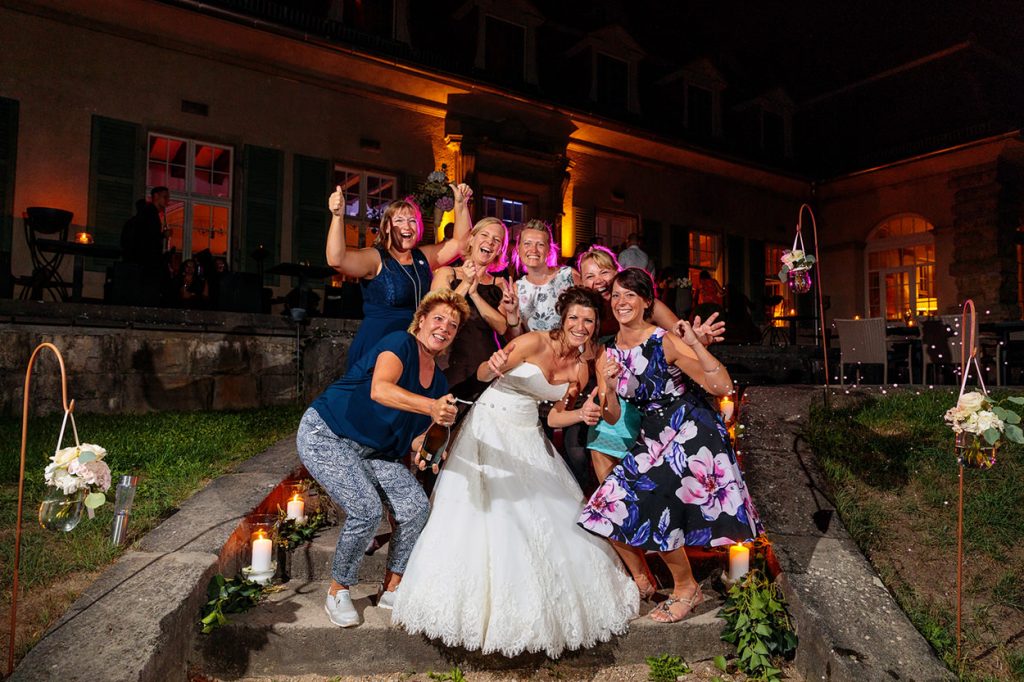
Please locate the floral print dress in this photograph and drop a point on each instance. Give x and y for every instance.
(679, 484)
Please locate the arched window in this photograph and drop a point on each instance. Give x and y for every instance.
(901, 268)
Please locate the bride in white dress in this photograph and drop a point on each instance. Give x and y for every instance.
(501, 565)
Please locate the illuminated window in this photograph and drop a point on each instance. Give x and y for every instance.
(705, 254)
(367, 195)
(901, 268)
(509, 211)
(779, 299)
(198, 175)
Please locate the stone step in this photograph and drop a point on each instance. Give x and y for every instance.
(312, 562)
(290, 634)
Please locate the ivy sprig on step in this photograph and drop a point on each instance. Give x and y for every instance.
(666, 668)
(228, 595)
(758, 625)
(291, 534)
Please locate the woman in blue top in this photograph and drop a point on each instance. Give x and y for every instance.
(353, 437)
(394, 274)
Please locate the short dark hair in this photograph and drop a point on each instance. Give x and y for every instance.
(157, 190)
(638, 281)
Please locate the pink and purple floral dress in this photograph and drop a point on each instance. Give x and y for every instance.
(680, 484)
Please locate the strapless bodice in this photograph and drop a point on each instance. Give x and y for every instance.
(515, 396)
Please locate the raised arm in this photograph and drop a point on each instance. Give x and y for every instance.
(384, 389)
(705, 369)
(450, 249)
(361, 263)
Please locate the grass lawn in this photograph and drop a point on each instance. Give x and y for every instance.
(174, 454)
(893, 475)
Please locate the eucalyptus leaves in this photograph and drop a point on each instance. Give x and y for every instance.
(980, 424)
(80, 468)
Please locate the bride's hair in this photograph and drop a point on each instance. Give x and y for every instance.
(577, 296)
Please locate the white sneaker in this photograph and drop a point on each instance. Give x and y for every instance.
(387, 599)
(340, 609)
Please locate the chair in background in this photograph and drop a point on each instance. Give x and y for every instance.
(941, 341)
(862, 342)
(47, 223)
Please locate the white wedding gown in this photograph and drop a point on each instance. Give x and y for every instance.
(501, 565)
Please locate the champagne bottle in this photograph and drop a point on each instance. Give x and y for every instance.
(434, 443)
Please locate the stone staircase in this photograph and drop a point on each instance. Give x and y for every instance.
(289, 634)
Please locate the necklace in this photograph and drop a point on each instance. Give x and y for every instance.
(415, 280)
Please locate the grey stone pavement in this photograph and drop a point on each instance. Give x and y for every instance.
(139, 618)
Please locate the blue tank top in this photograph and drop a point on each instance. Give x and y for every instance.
(389, 300)
(348, 410)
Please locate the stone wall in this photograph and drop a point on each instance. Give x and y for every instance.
(131, 360)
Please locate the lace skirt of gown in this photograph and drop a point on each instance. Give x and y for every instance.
(501, 565)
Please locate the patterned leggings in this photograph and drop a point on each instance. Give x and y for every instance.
(358, 482)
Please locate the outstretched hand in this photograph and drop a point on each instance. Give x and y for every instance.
(707, 332)
(462, 193)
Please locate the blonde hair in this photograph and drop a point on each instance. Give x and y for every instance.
(553, 249)
(446, 297)
(501, 261)
(384, 233)
(602, 255)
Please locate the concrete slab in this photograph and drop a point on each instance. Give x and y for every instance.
(280, 459)
(290, 634)
(206, 521)
(144, 603)
(850, 627)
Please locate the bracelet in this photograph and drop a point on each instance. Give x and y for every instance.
(712, 371)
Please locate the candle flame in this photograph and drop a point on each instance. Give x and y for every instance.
(84, 238)
(260, 535)
(295, 498)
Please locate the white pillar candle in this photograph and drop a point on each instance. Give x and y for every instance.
(262, 547)
(739, 561)
(296, 508)
(727, 406)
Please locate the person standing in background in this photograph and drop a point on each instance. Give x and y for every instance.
(633, 256)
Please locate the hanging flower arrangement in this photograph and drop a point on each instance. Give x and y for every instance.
(796, 268)
(435, 192)
(980, 425)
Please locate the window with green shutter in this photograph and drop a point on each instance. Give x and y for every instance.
(263, 183)
(8, 153)
(114, 181)
(310, 217)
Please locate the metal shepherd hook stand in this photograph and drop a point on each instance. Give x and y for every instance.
(968, 356)
(68, 407)
(817, 275)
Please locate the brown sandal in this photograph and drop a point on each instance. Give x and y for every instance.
(665, 607)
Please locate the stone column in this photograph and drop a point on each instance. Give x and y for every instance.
(987, 202)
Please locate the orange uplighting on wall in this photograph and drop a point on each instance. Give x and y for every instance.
(568, 224)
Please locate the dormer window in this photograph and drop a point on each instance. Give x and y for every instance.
(765, 124)
(506, 38)
(697, 88)
(611, 81)
(504, 50)
(614, 62)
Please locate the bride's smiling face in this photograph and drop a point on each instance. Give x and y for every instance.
(579, 324)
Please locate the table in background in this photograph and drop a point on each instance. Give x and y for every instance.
(79, 251)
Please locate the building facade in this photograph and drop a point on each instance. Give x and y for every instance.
(253, 112)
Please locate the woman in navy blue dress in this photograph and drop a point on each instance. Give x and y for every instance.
(679, 484)
(394, 273)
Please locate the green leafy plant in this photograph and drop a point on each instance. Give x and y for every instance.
(291, 534)
(453, 675)
(666, 668)
(757, 624)
(228, 595)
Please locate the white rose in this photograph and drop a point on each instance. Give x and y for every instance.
(796, 254)
(988, 420)
(971, 402)
(64, 456)
(66, 482)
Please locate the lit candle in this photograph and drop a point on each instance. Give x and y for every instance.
(83, 238)
(739, 561)
(296, 507)
(727, 407)
(261, 550)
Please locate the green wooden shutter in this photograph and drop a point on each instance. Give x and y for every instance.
(262, 201)
(114, 181)
(310, 217)
(8, 154)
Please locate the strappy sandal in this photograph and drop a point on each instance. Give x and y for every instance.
(648, 592)
(666, 607)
